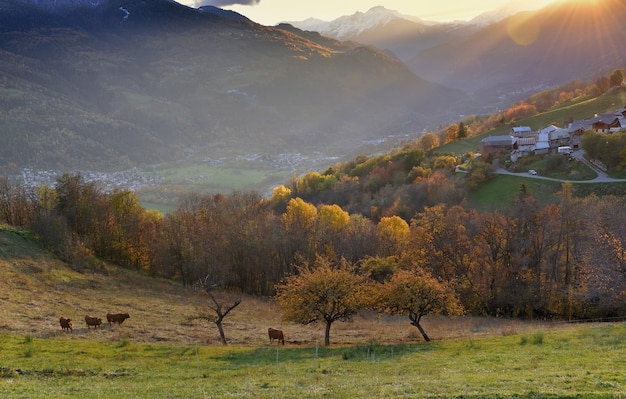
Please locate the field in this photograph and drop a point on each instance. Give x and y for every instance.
(162, 352)
(584, 361)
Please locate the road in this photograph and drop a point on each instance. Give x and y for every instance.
(601, 177)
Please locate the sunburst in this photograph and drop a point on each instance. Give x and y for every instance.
(578, 16)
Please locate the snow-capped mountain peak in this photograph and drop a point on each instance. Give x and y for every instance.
(351, 25)
(497, 15)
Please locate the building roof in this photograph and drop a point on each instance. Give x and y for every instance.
(608, 119)
(527, 141)
(559, 134)
(548, 129)
(498, 140)
(579, 125)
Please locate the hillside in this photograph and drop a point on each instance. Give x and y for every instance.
(37, 289)
(565, 41)
(130, 83)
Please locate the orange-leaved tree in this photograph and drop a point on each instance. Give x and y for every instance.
(416, 293)
(321, 291)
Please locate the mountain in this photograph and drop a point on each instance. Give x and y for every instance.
(565, 41)
(572, 40)
(494, 16)
(403, 35)
(120, 83)
(386, 29)
(349, 27)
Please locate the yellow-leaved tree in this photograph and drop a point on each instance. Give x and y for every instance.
(323, 292)
(416, 293)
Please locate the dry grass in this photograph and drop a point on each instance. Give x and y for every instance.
(36, 289)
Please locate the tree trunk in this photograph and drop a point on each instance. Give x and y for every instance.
(327, 334)
(419, 327)
(415, 320)
(221, 330)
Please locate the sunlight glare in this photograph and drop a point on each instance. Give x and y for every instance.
(523, 29)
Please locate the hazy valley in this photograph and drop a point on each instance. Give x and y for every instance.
(208, 100)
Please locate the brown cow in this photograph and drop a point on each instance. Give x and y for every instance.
(66, 324)
(276, 335)
(117, 318)
(93, 321)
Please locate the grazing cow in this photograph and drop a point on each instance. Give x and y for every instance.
(66, 324)
(93, 321)
(117, 318)
(276, 335)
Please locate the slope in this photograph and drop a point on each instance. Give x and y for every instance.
(565, 41)
(126, 82)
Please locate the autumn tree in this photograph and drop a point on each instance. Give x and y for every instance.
(15, 204)
(300, 222)
(392, 235)
(379, 269)
(452, 133)
(480, 172)
(359, 238)
(462, 131)
(321, 292)
(616, 78)
(416, 293)
(428, 141)
(332, 224)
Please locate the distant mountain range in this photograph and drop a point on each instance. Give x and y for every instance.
(499, 56)
(111, 84)
(120, 83)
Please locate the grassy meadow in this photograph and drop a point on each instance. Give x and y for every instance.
(584, 361)
(162, 352)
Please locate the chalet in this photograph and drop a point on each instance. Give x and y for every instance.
(521, 131)
(493, 144)
(606, 123)
(548, 129)
(576, 131)
(543, 143)
(527, 144)
(559, 137)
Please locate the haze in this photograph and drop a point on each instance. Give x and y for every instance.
(271, 12)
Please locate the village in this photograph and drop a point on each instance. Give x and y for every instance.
(522, 140)
(133, 179)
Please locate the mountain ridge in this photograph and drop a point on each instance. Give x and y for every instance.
(145, 84)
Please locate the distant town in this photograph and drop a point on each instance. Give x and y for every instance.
(136, 179)
(133, 179)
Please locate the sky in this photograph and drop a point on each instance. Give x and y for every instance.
(271, 12)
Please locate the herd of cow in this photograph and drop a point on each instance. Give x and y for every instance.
(112, 318)
(95, 322)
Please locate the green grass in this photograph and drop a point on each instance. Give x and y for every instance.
(571, 361)
(500, 192)
(180, 180)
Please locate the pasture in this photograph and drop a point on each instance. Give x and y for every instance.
(569, 361)
(160, 352)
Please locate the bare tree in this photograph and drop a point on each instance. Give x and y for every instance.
(221, 303)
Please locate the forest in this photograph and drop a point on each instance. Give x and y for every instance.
(377, 218)
(393, 232)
